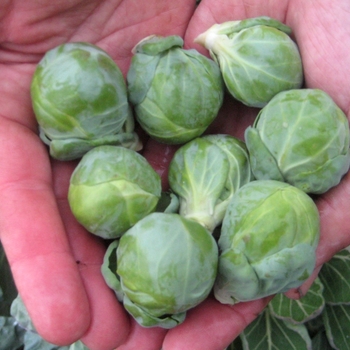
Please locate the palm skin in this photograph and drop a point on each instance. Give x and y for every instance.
(55, 263)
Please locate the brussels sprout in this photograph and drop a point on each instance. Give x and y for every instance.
(111, 189)
(176, 93)
(205, 173)
(268, 241)
(300, 137)
(79, 98)
(161, 267)
(256, 56)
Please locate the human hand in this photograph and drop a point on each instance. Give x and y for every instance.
(74, 299)
(323, 37)
(55, 263)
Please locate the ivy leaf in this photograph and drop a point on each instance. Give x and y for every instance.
(335, 276)
(271, 333)
(302, 310)
(337, 324)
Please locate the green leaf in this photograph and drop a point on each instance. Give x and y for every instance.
(20, 313)
(320, 342)
(235, 345)
(78, 346)
(33, 341)
(335, 276)
(270, 333)
(302, 310)
(11, 336)
(337, 323)
(315, 325)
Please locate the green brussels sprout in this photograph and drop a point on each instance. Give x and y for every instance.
(162, 267)
(176, 93)
(79, 98)
(256, 56)
(205, 173)
(300, 137)
(111, 189)
(267, 243)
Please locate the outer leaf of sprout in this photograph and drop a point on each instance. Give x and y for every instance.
(270, 168)
(230, 27)
(146, 319)
(109, 268)
(268, 240)
(111, 189)
(168, 203)
(154, 45)
(239, 169)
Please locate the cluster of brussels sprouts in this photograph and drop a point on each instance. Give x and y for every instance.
(81, 101)
(238, 219)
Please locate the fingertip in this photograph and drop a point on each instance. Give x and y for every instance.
(54, 296)
(298, 293)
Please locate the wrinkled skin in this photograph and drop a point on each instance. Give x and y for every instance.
(56, 264)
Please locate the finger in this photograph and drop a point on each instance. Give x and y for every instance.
(335, 229)
(107, 314)
(34, 239)
(335, 225)
(212, 326)
(144, 338)
(297, 293)
(109, 325)
(324, 46)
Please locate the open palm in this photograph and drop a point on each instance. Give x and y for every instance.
(55, 263)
